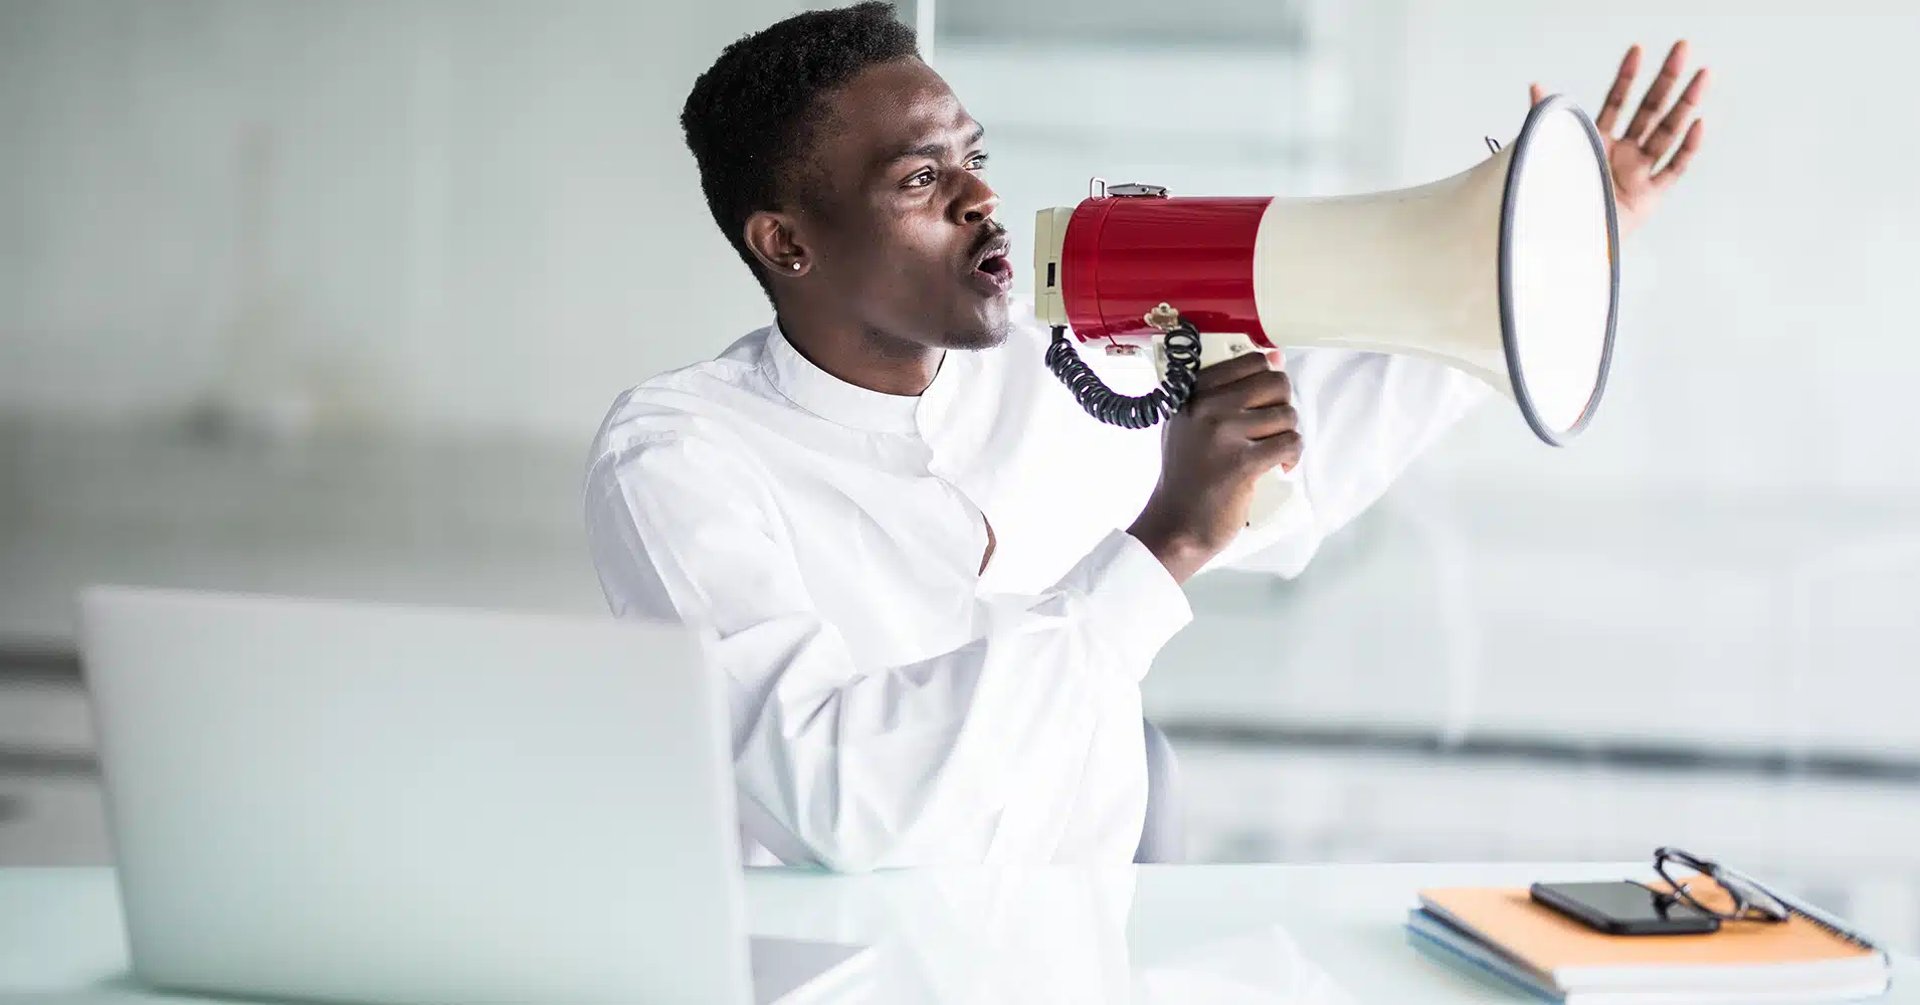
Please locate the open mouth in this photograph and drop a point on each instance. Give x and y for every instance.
(992, 269)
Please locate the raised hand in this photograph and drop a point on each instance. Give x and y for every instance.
(1634, 153)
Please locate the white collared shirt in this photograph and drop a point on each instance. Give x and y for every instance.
(891, 703)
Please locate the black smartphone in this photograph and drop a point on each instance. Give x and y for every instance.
(1624, 908)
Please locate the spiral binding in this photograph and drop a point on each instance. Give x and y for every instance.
(1822, 921)
(1127, 410)
(1812, 915)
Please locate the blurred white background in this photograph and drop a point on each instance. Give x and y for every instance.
(329, 297)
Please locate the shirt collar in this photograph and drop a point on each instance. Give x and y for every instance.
(837, 401)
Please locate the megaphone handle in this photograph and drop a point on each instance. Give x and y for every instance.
(1275, 488)
(1271, 494)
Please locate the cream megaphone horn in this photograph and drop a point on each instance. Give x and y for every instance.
(1508, 271)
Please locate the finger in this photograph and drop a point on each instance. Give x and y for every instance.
(1656, 97)
(1226, 403)
(1682, 157)
(1617, 96)
(1270, 420)
(1535, 95)
(1229, 370)
(1282, 451)
(1260, 390)
(1662, 139)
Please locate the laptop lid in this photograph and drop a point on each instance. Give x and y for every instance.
(366, 802)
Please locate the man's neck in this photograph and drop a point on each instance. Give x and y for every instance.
(863, 357)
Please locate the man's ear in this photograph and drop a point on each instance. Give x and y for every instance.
(775, 241)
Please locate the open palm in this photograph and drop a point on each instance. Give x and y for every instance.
(1635, 153)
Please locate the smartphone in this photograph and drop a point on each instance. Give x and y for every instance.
(1623, 908)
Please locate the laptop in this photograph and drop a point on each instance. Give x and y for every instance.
(373, 803)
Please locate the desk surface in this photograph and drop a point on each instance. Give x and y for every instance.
(1234, 933)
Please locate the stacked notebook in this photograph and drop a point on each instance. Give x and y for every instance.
(1810, 957)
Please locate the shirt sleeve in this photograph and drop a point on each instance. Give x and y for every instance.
(1364, 417)
(975, 754)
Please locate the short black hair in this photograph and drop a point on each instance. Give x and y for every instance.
(749, 119)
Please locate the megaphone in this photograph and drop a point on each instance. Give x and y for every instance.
(1508, 271)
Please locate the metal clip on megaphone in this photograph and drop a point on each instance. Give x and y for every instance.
(1508, 271)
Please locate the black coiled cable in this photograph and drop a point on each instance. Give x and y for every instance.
(1129, 410)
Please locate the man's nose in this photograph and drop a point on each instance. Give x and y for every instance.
(977, 201)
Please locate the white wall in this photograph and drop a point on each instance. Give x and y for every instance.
(1768, 341)
(434, 214)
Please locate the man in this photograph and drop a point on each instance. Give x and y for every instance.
(896, 526)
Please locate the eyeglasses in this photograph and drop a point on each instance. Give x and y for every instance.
(1750, 900)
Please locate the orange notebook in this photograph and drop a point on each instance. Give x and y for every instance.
(1503, 930)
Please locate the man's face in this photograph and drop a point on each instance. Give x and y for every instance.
(898, 224)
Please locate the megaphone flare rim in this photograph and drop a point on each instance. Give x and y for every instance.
(1516, 373)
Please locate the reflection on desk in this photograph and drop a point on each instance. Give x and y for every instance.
(1308, 935)
(1042, 935)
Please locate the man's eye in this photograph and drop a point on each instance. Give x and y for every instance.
(921, 179)
(976, 162)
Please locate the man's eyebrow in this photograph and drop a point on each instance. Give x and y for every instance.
(935, 148)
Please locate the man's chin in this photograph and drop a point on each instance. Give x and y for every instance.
(980, 333)
(978, 338)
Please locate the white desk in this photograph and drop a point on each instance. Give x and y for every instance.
(1155, 934)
